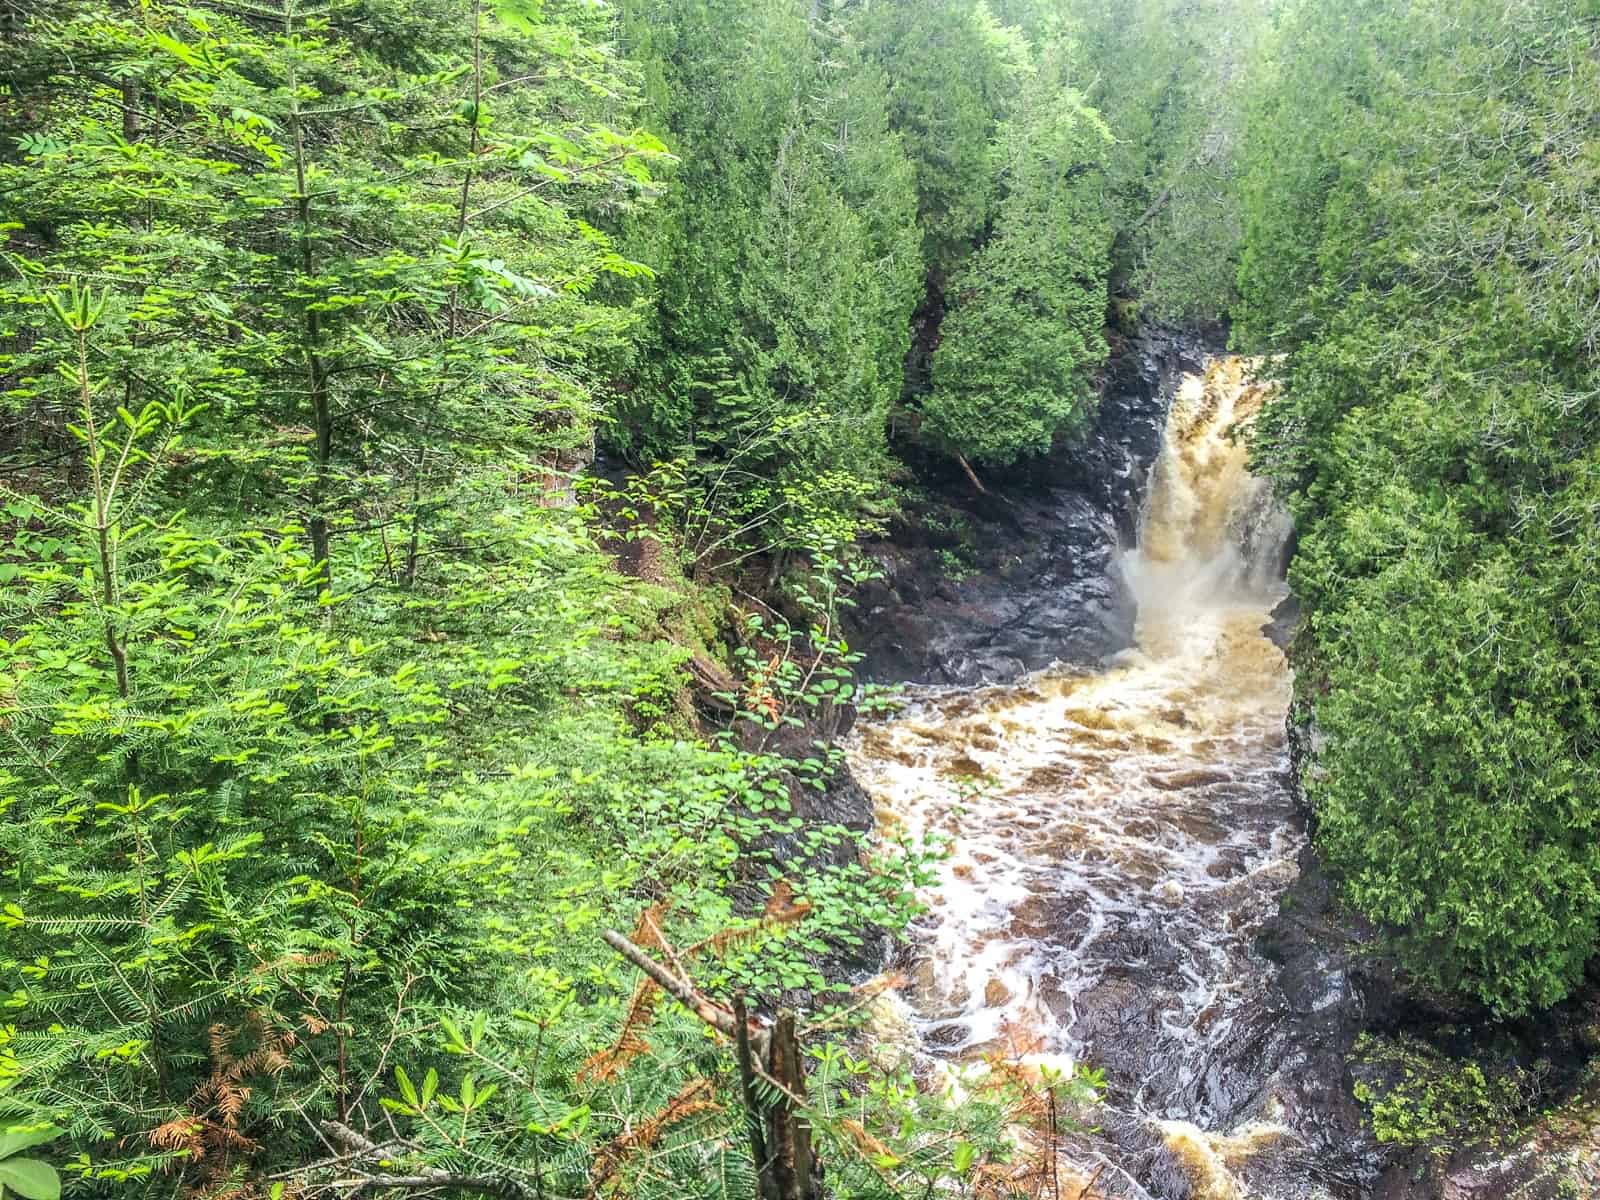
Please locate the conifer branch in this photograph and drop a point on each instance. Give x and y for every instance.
(681, 990)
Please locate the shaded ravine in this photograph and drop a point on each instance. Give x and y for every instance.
(1119, 839)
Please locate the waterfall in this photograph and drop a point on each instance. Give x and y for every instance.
(1117, 836)
(1211, 530)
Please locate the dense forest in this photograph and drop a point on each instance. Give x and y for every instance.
(437, 446)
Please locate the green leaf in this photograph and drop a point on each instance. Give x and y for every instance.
(17, 1138)
(30, 1179)
(963, 1157)
(407, 1088)
(521, 15)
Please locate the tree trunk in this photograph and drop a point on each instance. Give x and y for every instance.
(971, 474)
(794, 1168)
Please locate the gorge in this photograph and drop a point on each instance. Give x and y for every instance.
(800, 599)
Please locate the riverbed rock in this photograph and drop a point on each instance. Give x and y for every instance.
(1285, 620)
(1336, 984)
(1169, 892)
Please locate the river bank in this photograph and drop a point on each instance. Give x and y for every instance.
(981, 587)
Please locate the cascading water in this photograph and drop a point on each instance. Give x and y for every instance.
(1117, 838)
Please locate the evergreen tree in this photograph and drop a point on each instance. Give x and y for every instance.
(331, 743)
(1023, 337)
(1170, 78)
(954, 74)
(1418, 197)
(789, 270)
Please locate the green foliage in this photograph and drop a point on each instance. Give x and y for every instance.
(954, 74)
(1170, 80)
(881, 1135)
(1416, 1096)
(331, 742)
(789, 267)
(1023, 335)
(323, 721)
(955, 565)
(22, 1175)
(1420, 183)
(324, 200)
(843, 168)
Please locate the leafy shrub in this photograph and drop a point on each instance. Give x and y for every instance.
(1416, 1096)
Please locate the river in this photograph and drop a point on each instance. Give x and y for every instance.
(1118, 837)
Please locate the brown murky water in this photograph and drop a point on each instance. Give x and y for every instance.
(1117, 838)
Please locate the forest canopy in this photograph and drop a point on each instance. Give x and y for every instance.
(1419, 211)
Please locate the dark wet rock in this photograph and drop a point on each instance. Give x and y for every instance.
(1317, 984)
(844, 803)
(1141, 1152)
(1563, 1168)
(1115, 1014)
(1285, 620)
(1281, 1058)
(984, 588)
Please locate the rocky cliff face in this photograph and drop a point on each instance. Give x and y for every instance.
(983, 587)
